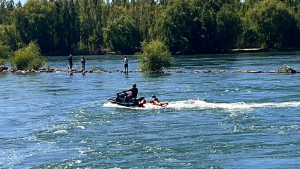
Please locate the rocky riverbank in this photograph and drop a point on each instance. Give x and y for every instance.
(11, 70)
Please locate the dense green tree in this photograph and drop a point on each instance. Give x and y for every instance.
(10, 5)
(174, 27)
(273, 23)
(293, 4)
(6, 8)
(228, 27)
(205, 31)
(28, 58)
(90, 17)
(67, 26)
(36, 21)
(61, 27)
(4, 53)
(155, 56)
(144, 15)
(9, 37)
(122, 36)
(19, 4)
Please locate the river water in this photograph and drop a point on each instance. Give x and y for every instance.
(213, 120)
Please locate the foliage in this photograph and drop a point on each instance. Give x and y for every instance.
(155, 56)
(175, 25)
(90, 24)
(272, 23)
(94, 68)
(228, 27)
(4, 51)
(121, 35)
(81, 49)
(28, 58)
(36, 21)
(185, 26)
(9, 37)
(6, 7)
(2, 62)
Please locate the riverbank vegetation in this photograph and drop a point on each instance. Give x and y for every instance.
(61, 27)
(4, 53)
(154, 57)
(28, 58)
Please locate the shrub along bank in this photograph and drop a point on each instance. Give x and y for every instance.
(28, 58)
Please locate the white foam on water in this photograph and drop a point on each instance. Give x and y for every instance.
(109, 104)
(201, 104)
(61, 132)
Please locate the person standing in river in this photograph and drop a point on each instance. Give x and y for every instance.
(126, 64)
(83, 63)
(70, 62)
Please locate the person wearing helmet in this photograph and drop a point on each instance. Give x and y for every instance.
(134, 91)
(155, 100)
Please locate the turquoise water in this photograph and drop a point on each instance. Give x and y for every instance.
(214, 120)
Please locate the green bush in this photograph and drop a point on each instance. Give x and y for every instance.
(28, 58)
(2, 62)
(154, 57)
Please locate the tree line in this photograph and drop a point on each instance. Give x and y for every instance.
(61, 27)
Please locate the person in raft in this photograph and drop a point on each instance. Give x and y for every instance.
(134, 91)
(157, 102)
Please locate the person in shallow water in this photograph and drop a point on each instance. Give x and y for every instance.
(83, 63)
(126, 64)
(134, 91)
(70, 62)
(155, 100)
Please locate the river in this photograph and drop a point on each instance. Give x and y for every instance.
(213, 120)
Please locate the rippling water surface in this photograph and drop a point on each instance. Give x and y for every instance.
(213, 120)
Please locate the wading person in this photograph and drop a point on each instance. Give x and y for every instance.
(70, 62)
(126, 64)
(83, 64)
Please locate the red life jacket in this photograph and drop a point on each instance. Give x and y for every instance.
(142, 102)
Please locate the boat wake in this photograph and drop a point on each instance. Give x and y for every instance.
(201, 104)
